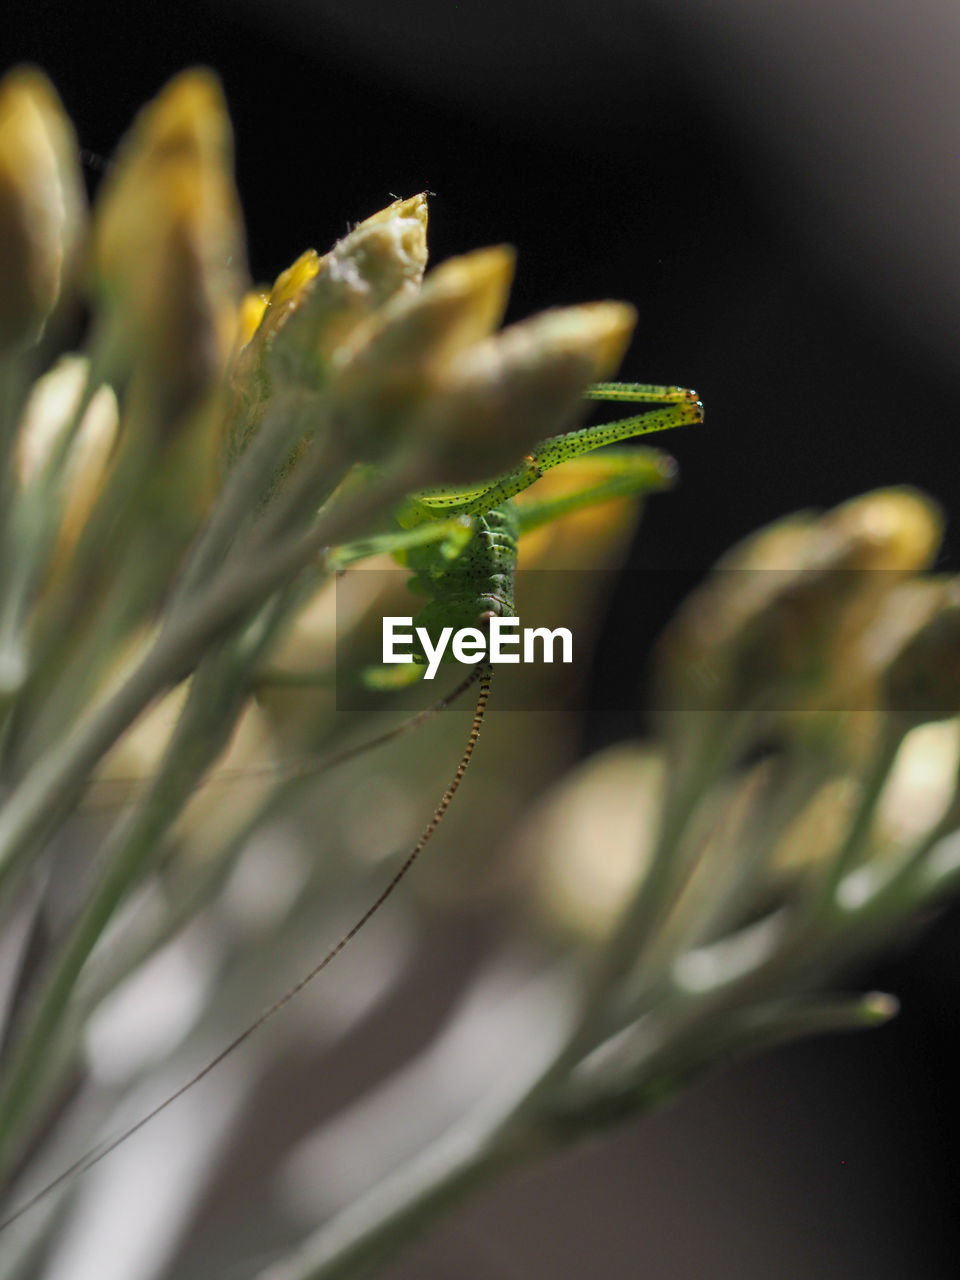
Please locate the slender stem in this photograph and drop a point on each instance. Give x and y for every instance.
(241, 496)
(170, 657)
(216, 699)
(371, 1229)
(821, 895)
(633, 936)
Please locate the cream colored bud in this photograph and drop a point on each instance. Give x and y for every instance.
(42, 205)
(318, 304)
(390, 247)
(499, 397)
(48, 413)
(890, 530)
(588, 842)
(397, 360)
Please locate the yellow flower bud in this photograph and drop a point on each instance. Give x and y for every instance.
(289, 291)
(588, 842)
(249, 314)
(42, 207)
(892, 530)
(496, 399)
(782, 620)
(168, 239)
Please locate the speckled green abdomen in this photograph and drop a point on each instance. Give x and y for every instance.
(476, 584)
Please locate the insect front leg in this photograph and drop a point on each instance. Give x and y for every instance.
(604, 477)
(640, 393)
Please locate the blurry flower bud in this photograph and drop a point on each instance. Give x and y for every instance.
(287, 293)
(923, 680)
(394, 361)
(781, 621)
(588, 842)
(48, 413)
(922, 784)
(42, 213)
(169, 241)
(499, 397)
(813, 836)
(890, 530)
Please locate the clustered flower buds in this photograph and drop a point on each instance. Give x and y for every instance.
(800, 805)
(171, 497)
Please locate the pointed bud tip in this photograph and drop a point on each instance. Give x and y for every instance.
(294, 278)
(412, 207)
(485, 274)
(878, 1007)
(596, 333)
(606, 329)
(193, 100)
(898, 529)
(249, 314)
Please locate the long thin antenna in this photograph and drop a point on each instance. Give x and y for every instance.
(86, 1162)
(301, 767)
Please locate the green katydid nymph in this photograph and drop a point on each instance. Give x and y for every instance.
(461, 544)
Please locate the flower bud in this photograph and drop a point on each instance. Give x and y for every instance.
(169, 241)
(48, 413)
(923, 680)
(394, 361)
(42, 207)
(389, 248)
(317, 305)
(588, 841)
(314, 307)
(498, 398)
(249, 314)
(890, 530)
(780, 622)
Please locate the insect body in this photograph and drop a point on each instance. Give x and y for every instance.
(478, 583)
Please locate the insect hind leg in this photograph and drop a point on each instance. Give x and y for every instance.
(640, 393)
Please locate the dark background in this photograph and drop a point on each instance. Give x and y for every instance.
(775, 187)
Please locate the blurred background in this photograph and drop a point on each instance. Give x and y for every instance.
(775, 187)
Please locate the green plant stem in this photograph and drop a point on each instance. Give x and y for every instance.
(14, 384)
(370, 1230)
(822, 892)
(633, 935)
(241, 498)
(205, 722)
(217, 697)
(54, 780)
